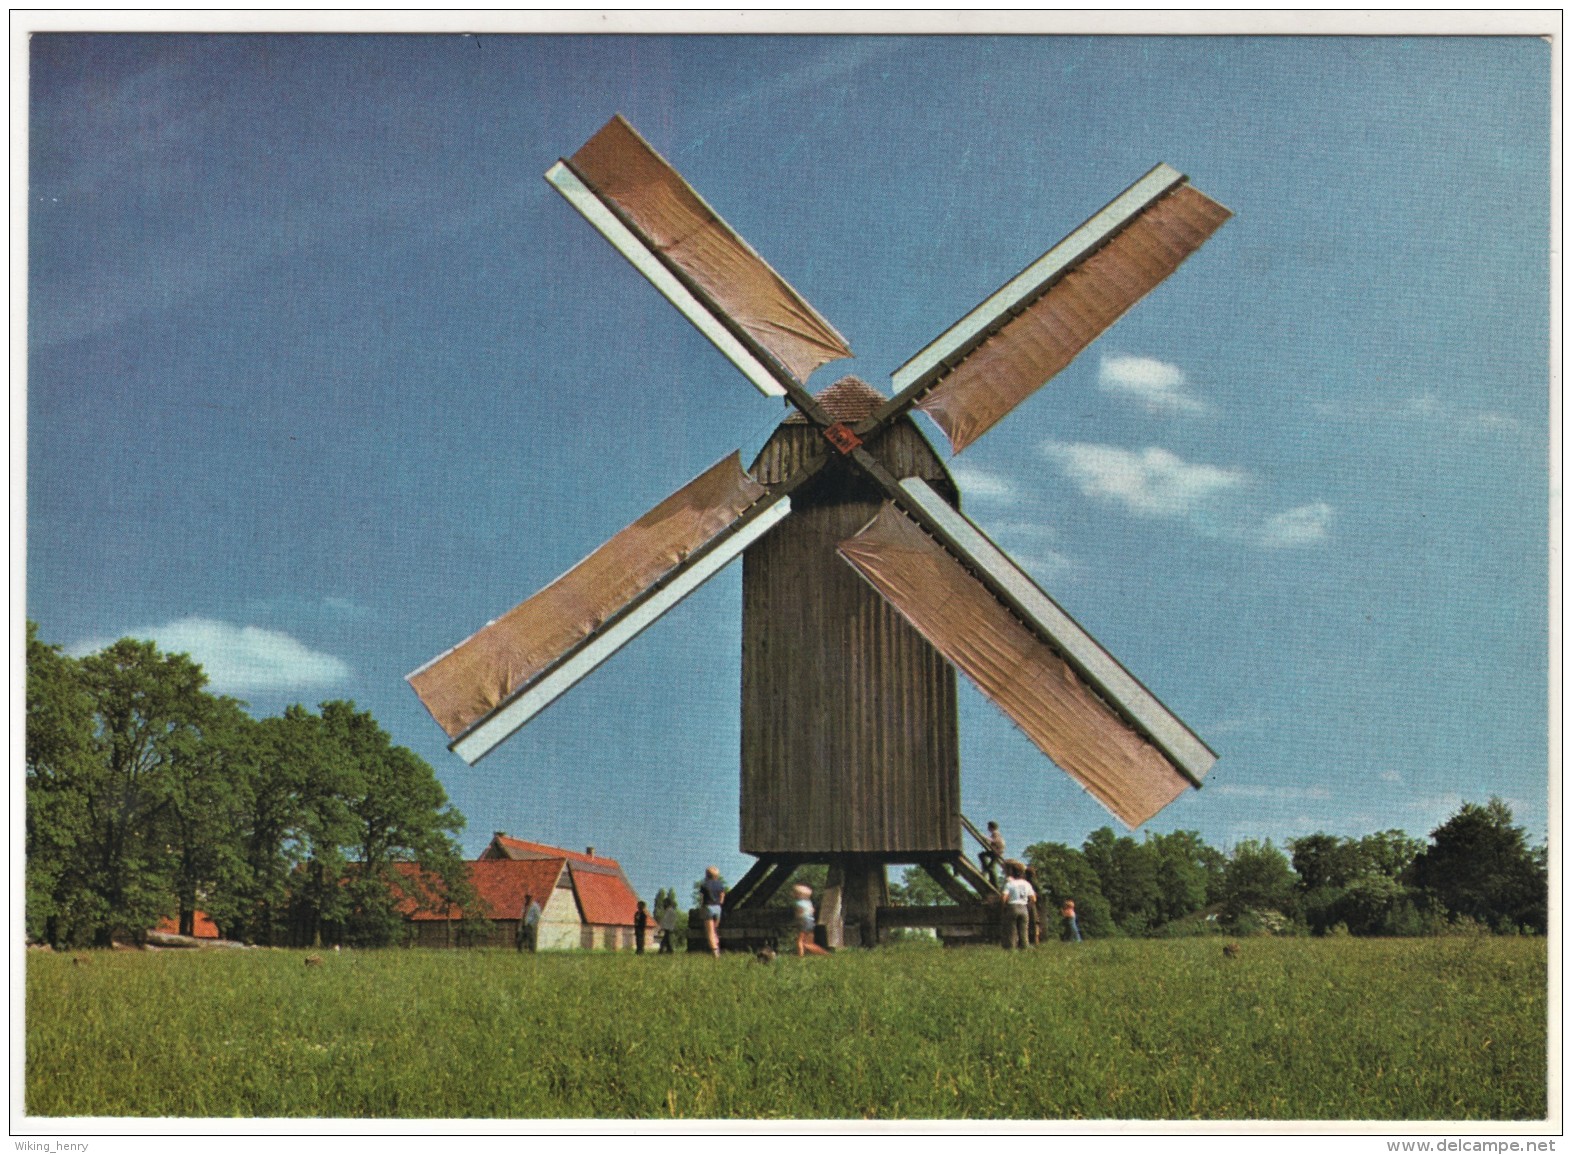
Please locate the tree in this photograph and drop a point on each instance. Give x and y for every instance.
(1322, 861)
(1127, 876)
(200, 800)
(397, 811)
(917, 888)
(1063, 875)
(60, 764)
(1355, 882)
(1480, 866)
(1388, 852)
(148, 796)
(1258, 877)
(1325, 865)
(1186, 870)
(288, 812)
(147, 708)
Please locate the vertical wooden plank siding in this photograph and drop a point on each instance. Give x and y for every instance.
(849, 733)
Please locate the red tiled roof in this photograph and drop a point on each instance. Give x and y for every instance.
(201, 926)
(605, 899)
(500, 884)
(518, 848)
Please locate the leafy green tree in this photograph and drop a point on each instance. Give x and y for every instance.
(917, 888)
(1322, 861)
(396, 811)
(1063, 874)
(289, 811)
(318, 898)
(148, 796)
(1480, 866)
(200, 800)
(1355, 882)
(147, 708)
(1258, 877)
(1127, 876)
(1185, 870)
(1389, 852)
(1324, 864)
(1372, 903)
(61, 766)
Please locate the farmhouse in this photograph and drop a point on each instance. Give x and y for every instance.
(603, 896)
(201, 926)
(586, 900)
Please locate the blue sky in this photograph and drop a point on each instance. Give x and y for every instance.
(322, 376)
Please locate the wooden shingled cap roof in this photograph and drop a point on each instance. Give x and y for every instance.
(850, 399)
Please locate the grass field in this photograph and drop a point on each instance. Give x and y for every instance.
(1290, 1029)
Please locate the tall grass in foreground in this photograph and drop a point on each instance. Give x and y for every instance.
(1291, 1029)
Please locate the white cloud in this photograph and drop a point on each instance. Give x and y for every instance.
(1302, 525)
(237, 659)
(1152, 481)
(1155, 384)
(1421, 408)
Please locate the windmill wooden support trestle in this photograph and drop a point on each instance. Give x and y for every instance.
(854, 908)
(864, 585)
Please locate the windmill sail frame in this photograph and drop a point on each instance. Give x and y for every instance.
(1121, 689)
(484, 736)
(968, 378)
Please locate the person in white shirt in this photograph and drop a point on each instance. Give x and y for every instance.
(1018, 898)
(666, 919)
(531, 924)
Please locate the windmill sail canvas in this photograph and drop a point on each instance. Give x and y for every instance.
(865, 587)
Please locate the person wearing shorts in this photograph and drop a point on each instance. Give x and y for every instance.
(802, 917)
(713, 892)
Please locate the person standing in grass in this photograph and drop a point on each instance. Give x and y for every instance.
(1034, 912)
(641, 926)
(712, 891)
(1072, 929)
(666, 919)
(1018, 899)
(802, 915)
(529, 926)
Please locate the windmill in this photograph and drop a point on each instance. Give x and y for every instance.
(864, 586)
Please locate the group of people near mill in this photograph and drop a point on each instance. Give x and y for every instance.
(1022, 920)
(712, 897)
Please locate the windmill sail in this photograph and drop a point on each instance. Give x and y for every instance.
(1070, 697)
(490, 684)
(1008, 347)
(643, 206)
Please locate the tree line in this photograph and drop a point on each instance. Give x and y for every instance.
(150, 798)
(1477, 872)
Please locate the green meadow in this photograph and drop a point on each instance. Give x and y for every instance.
(1292, 1028)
